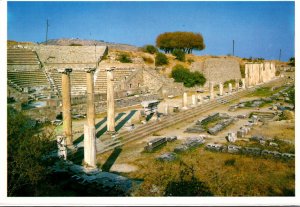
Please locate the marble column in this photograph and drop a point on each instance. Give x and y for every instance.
(194, 100)
(110, 101)
(221, 89)
(89, 127)
(237, 84)
(66, 105)
(243, 83)
(184, 101)
(229, 88)
(211, 90)
(200, 99)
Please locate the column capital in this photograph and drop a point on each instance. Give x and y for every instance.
(64, 70)
(90, 70)
(109, 69)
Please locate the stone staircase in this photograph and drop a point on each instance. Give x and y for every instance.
(22, 57)
(149, 128)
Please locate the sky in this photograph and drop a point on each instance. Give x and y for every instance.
(259, 29)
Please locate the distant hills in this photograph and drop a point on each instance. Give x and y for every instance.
(80, 42)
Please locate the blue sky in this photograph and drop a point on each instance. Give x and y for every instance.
(260, 29)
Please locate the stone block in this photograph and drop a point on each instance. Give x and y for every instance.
(214, 147)
(231, 137)
(251, 150)
(234, 149)
(169, 156)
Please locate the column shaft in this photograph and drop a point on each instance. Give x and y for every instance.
(110, 102)
(66, 106)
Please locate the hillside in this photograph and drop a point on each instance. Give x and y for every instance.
(76, 41)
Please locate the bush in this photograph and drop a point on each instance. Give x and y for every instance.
(277, 73)
(148, 60)
(75, 44)
(189, 79)
(150, 49)
(179, 54)
(190, 60)
(27, 167)
(124, 58)
(161, 59)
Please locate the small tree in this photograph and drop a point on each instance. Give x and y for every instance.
(179, 54)
(26, 151)
(161, 59)
(124, 58)
(292, 61)
(189, 79)
(150, 49)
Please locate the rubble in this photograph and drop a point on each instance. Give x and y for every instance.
(169, 156)
(220, 126)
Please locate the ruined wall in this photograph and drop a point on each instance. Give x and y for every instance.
(256, 73)
(218, 69)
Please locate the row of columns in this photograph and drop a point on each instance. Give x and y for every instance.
(89, 128)
(211, 92)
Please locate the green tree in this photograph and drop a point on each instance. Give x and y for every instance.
(189, 79)
(185, 41)
(179, 54)
(292, 61)
(150, 49)
(26, 153)
(161, 59)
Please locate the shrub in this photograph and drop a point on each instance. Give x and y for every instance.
(124, 58)
(75, 44)
(161, 59)
(150, 49)
(179, 54)
(189, 79)
(148, 60)
(190, 60)
(277, 73)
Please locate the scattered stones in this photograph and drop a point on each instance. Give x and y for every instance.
(231, 137)
(151, 145)
(208, 119)
(169, 156)
(234, 149)
(220, 126)
(273, 144)
(195, 129)
(171, 138)
(251, 150)
(241, 116)
(190, 142)
(214, 147)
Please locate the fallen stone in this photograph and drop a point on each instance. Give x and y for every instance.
(190, 142)
(241, 133)
(151, 145)
(171, 138)
(169, 156)
(234, 149)
(231, 137)
(241, 116)
(220, 126)
(273, 144)
(251, 150)
(214, 147)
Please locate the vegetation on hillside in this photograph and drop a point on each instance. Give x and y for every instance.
(292, 61)
(161, 59)
(179, 54)
(26, 156)
(185, 41)
(189, 79)
(124, 58)
(150, 49)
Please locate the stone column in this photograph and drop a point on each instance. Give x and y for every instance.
(184, 101)
(66, 105)
(110, 101)
(166, 109)
(194, 100)
(211, 90)
(221, 89)
(89, 127)
(237, 84)
(229, 88)
(243, 83)
(200, 99)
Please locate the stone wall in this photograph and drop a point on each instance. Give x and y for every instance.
(218, 69)
(256, 73)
